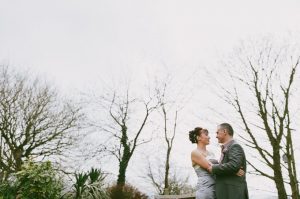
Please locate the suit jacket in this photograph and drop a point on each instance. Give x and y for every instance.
(228, 184)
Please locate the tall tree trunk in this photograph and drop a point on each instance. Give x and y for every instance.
(18, 159)
(292, 167)
(167, 168)
(122, 172)
(124, 159)
(278, 178)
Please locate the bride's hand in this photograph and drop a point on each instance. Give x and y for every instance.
(241, 172)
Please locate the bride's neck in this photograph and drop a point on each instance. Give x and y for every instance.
(201, 147)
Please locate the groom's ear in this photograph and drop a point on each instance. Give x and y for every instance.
(225, 131)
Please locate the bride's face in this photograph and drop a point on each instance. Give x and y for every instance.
(204, 138)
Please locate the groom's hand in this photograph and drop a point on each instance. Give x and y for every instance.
(241, 172)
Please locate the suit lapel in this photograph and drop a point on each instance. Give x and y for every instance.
(225, 151)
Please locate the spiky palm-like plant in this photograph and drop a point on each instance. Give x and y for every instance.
(90, 185)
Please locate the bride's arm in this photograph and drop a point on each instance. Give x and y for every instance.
(200, 160)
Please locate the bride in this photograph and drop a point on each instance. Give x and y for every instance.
(201, 160)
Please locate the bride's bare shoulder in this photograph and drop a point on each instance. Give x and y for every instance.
(194, 152)
(198, 153)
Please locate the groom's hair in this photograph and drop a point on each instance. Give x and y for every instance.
(228, 128)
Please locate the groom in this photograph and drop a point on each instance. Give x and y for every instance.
(228, 184)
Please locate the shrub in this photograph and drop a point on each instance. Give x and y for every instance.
(38, 180)
(8, 190)
(35, 180)
(125, 192)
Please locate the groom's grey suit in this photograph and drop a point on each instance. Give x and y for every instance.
(228, 184)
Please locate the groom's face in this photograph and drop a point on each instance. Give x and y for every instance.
(221, 135)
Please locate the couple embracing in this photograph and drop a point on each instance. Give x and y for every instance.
(219, 179)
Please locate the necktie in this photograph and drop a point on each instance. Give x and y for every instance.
(222, 154)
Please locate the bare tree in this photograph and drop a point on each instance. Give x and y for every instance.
(263, 97)
(176, 184)
(34, 122)
(125, 121)
(169, 135)
(171, 101)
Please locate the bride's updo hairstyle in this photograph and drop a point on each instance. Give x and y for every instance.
(196, 132)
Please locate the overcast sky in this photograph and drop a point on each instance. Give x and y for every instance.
(74, 41)
(78, 42)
